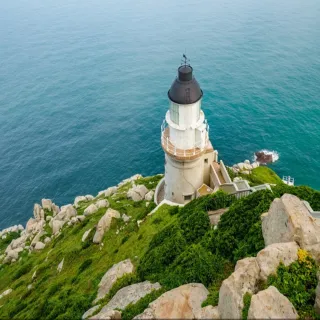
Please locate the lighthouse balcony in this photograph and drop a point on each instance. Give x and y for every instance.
(198, 149)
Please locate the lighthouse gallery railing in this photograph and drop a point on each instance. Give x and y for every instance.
(169, 146)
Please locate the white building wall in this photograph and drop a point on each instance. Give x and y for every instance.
(182, 179)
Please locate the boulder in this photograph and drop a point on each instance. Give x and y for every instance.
(39, 245)
(137, 193)
(110, 315)
(244, 279)
(47, 240)
(55, 209)
(5, 293)
(38, 212)
(66, 213)
(246, 161)
(79, 199)
(46, 204)
(102, 203)
(183, 302)
(264, 157)
(57, 225)
(240, 166)
(90, 210)
(81, 218)
(34, 226)
(289, 219)
(108, 192)
(89, 197)
(85, 235)
(125, 218)
(255, 165)
(111, 276)
(210, 312)
(104, 224)
(271, 304)
(149, 196)
(90, 312)
(270, 257)
(127, 295)
(60, 266)
(131, 179)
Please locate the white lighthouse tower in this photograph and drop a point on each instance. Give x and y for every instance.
(185, 139)
(192, 168)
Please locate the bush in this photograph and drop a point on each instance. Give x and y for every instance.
(195, 225)
(163, 249)
(298, 283)
(239, 230)
(25, 268)
(195, 264)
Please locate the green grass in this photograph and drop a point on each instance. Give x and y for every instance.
(262, 175)
(75, 287)
(173, 246)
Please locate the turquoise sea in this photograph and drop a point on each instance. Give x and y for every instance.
(83, 89)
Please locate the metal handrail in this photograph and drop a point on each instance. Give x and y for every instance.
(171, 148)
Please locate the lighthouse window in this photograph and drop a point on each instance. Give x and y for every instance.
(188, 197)
(174, 113)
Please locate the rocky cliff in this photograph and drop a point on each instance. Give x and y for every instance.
(112, 256)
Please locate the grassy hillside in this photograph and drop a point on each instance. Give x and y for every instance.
(173, 246)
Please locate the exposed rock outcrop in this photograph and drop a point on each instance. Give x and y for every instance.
(149, 196)
(102, 203)
(90, 210)
(5, 293)
(271, 304)
(270, 257)
(289, 219)
(210, 312)
(111, 276)
(183, 302)
(90, 312)
(127, 295)
(242, 280)
(104, 224)
(137, 193)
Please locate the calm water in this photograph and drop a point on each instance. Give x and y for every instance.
(83, 89)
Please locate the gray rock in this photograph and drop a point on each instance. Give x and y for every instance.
(137, 193)
(243, 279)
(270, 257)
(39, 245)
(85, 235)
(102, 203)
(111, 276)
(104, 224)
(271, 304)
(60, 266)
(57, 226)
(5, 293)
(210, 312)
(89, 197)
(90, 312)
(38, 212)
(46, 204)
(127, 295)
(149, 196)
(125, 218)
(79, 199)
(289, 220)
(90, 210)
(183, 302)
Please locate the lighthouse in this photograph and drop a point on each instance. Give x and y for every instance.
(192, 168)
(185, 139)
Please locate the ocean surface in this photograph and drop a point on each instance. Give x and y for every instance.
(83, 89)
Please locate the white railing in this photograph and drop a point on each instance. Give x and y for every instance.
(170, 147)
(288, 180)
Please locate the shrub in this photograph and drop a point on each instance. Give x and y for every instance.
(163, 249)
(156, 220)
(298, 282)
(195, 225)
(124, 239)
(195, 264)
(25, 268)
